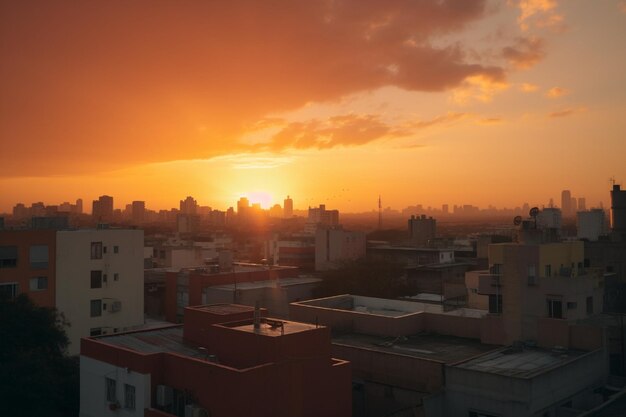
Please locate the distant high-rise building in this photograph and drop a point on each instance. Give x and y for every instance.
(574, 206)
(618, 210)
(445, 209)
(139, 211)
(582, 204)
(242, 205)
(102, 208)
(422, 229)
(188, 206)
(590, 224)
(566, 203)
(79, 206)
(288, 208)
(20, 211)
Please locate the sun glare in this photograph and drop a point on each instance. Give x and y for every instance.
(263, 198)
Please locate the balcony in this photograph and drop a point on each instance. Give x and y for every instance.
(489, 284)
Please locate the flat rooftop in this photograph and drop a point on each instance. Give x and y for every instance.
(386, 307)
(442, 348)
(280, 282)
(525, 363)
(223, 309)
(270, 327)
(165, 339)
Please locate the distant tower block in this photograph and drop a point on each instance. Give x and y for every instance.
(380, 213)
(618, 210)
(422, 229)
(566, 203)
(288, 208)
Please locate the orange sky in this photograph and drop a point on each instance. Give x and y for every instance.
(334, 102)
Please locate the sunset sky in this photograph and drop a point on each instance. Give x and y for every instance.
(330, 101)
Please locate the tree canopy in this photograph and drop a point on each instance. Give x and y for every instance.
(36, 375)
(365, 277)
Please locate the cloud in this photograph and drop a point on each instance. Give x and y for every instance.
(90, 86)
(346, 131)
(525, 53)
(528, 88)
(478, 88)
(556, 92)
(489, 121)
(539, 13)
(566, 112)
(253, 161)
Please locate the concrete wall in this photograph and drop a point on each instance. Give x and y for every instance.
(517, 396)
(93, 401)
(404, 371)
(74, 292)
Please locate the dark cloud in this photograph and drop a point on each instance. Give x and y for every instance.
(94, 85)
(525, 53)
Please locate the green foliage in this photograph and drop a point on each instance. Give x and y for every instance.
(365, 277)
(36, 376)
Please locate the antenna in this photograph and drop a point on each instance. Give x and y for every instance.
(533, 213)
(380, 213)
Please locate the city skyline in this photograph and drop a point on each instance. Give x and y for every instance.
(484, 103)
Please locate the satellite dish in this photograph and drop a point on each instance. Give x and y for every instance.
(517, 220)
(534, 212)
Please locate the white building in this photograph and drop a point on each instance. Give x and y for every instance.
(99, 281)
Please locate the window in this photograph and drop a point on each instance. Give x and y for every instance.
(495, 304)
(129, 397)
(8, 256)
(38, 256)
(104, 277)
(110, 386)
(532, 274)
(589, 305)
(548, 270)
(38, 284)
(8, 291)
(104, 249)
(555, 309)
(96, 250)
(96, 279)
(96, 308)
(116, 249)
(571, 305)
(496, 269)
(116, 277)
(95, 331)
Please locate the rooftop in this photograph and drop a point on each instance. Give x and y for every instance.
(447, 349)
(386, 307)
(280, 282)
(223, 309)
(520, 363)
(269, 327)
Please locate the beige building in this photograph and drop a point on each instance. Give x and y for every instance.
(528, 282)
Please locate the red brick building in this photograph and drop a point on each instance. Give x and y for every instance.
(222, 362)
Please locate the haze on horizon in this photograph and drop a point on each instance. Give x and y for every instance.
(451, 102)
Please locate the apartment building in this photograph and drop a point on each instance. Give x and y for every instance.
(94, 277)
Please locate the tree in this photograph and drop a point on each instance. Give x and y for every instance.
(365, 277)
(36, 375)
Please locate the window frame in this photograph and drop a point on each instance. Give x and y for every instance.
(97, 279)
(95, 311)
(96, 250)
(130, 397)
(110, 389)
(38, 286)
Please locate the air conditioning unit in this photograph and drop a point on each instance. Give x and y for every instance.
(164, 395)
(195, 411)
(116, 306)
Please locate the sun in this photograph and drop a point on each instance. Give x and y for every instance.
(263, 198)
